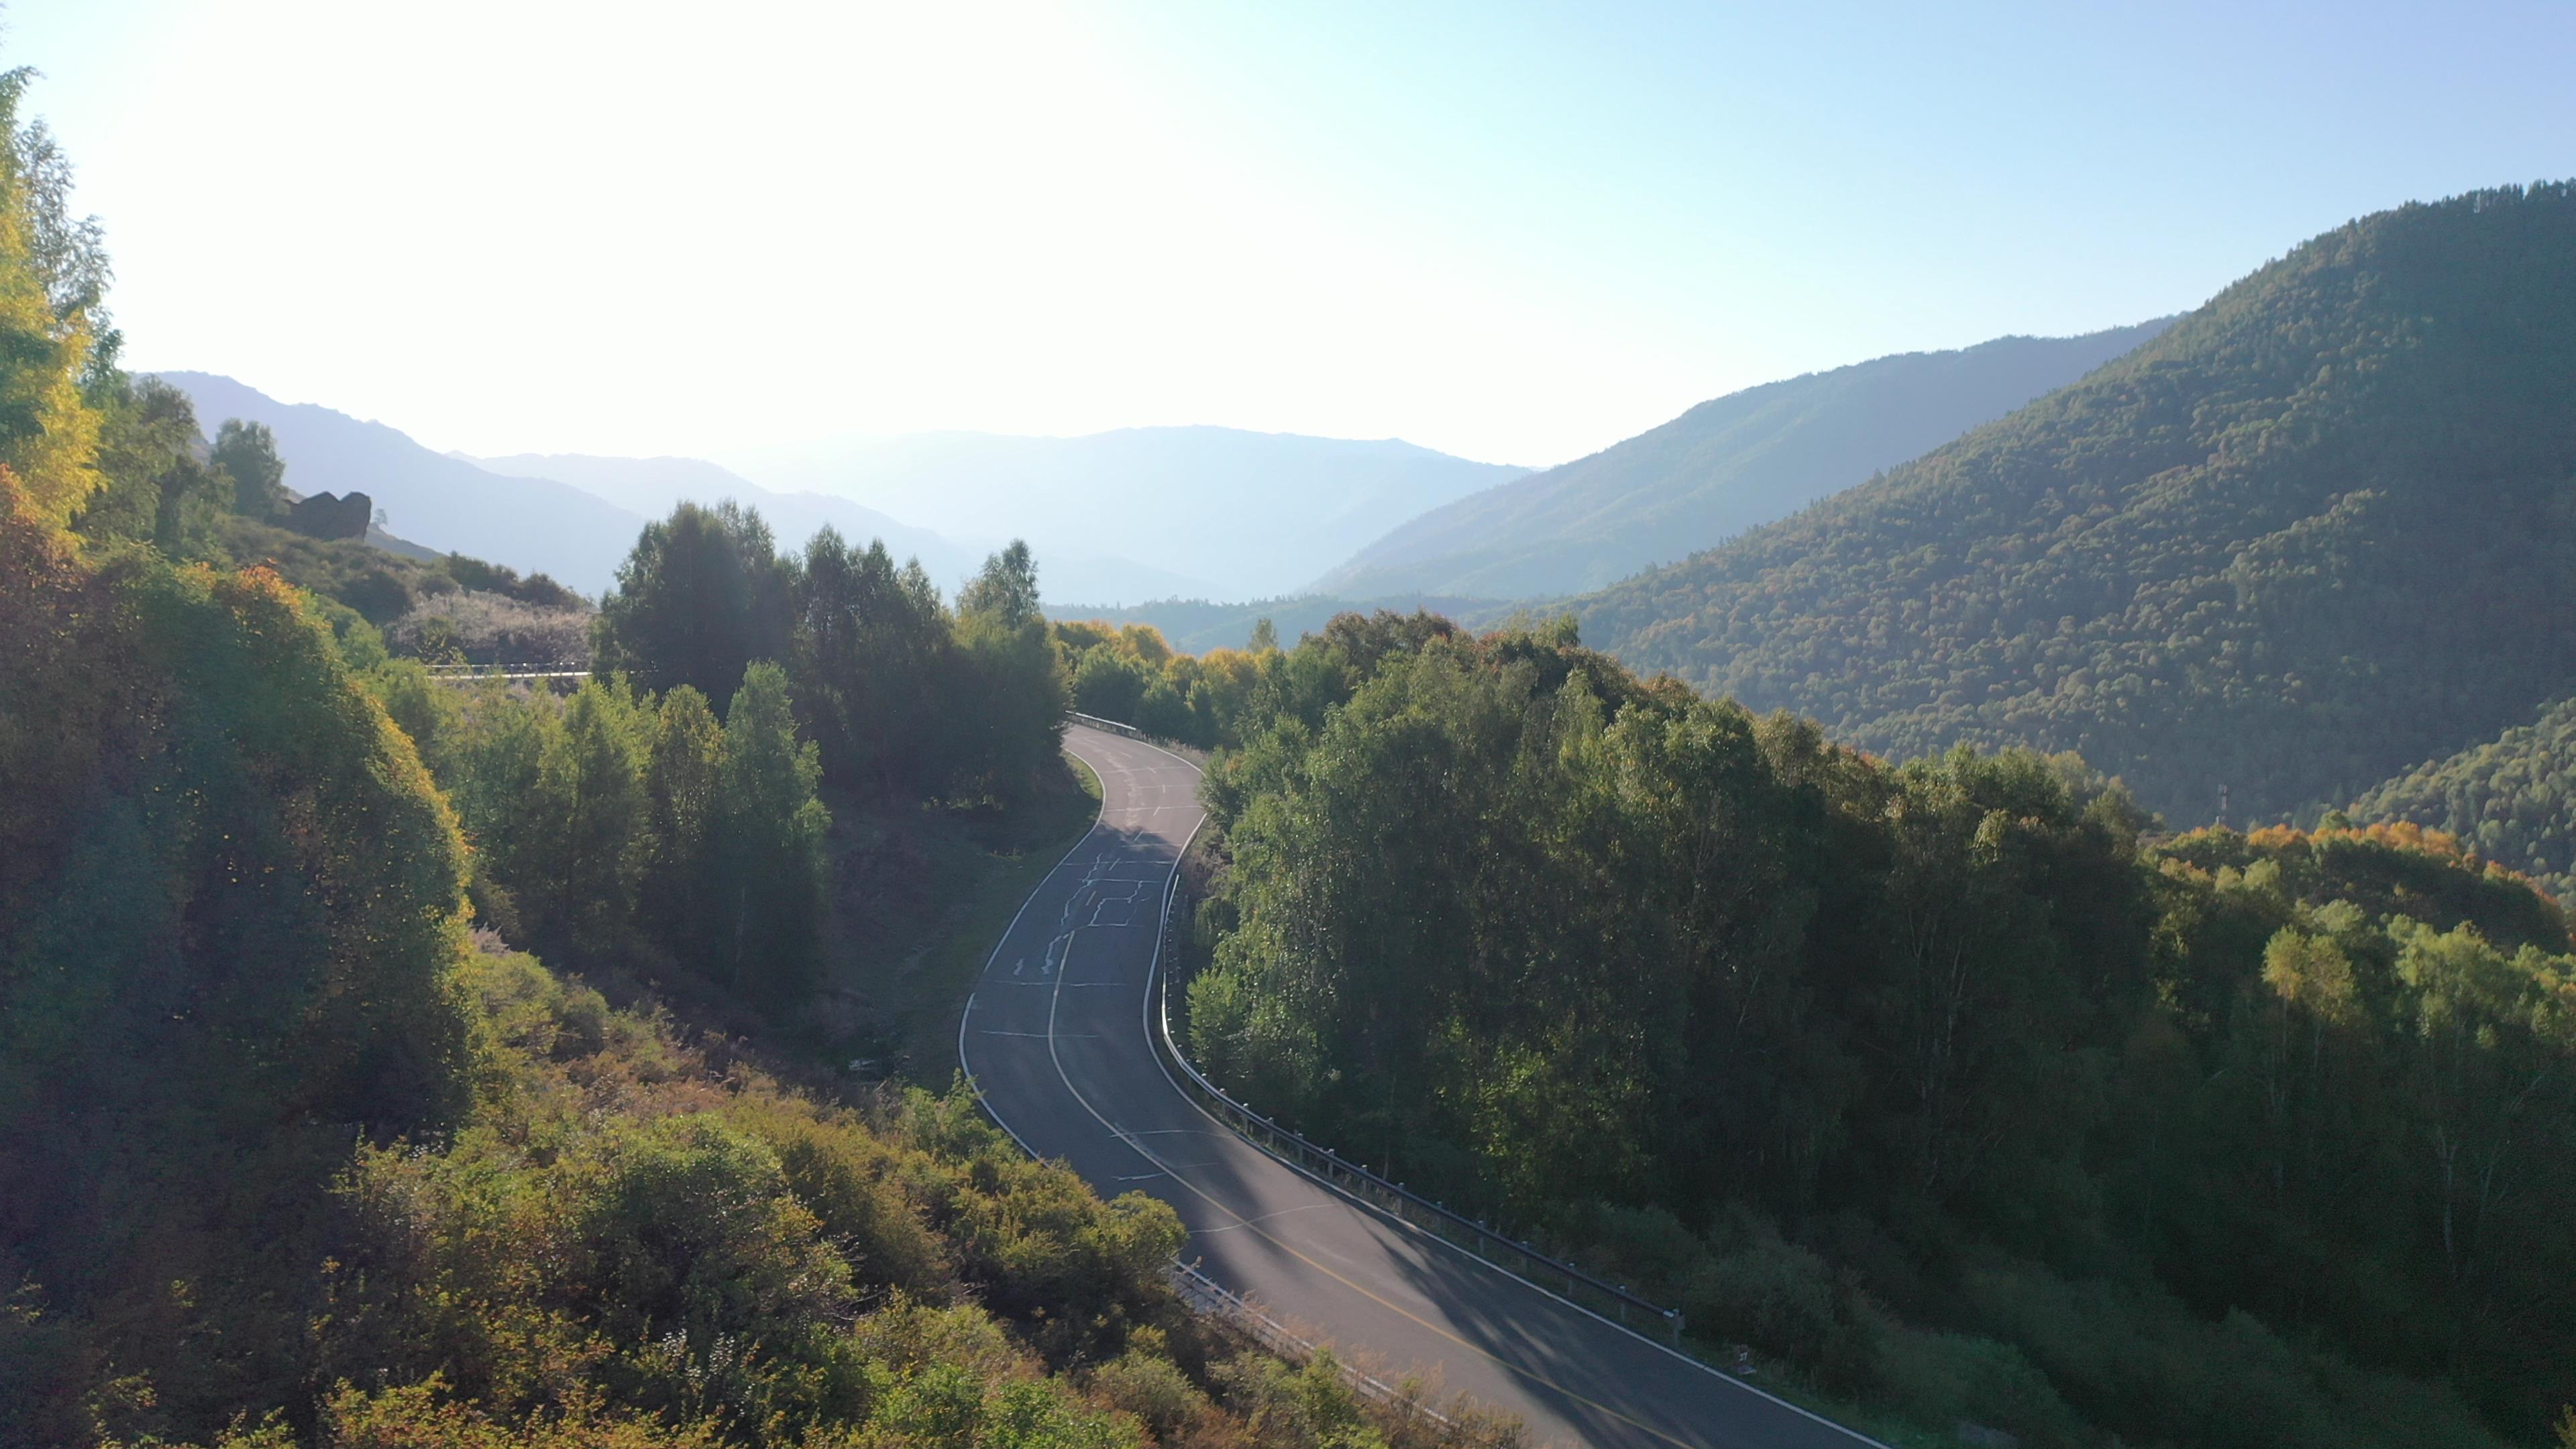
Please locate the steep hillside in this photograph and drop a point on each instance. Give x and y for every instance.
(531, 524)
(1234, 515)
(2512, 798)
(2322, 529)
(1725, 466)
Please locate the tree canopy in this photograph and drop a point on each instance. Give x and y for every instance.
(1901, 1073)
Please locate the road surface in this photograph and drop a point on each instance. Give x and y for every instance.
(1055, 1038)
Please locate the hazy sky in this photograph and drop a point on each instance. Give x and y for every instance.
(1516, 232)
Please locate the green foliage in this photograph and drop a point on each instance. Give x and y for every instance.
(612, 825)
(1801, 1041)
(2311, 535)
(153, 486)
(1129, 674)
(247, 453)
(230, 908)
(769, 846)
(875, 662)
(702, 596)
(903, 700)
(2512, 798)
(53, 274)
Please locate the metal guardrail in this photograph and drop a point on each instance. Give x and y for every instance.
(1355, 1180)
(502, 671)
(1111, 725)
(1212, 1299)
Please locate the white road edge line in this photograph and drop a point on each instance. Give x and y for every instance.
(1145, 1019)
(1145, 1022)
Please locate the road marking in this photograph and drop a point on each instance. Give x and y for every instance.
(1248, 1225)
(1170, 869)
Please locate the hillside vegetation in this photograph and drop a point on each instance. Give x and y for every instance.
(2513, 798)
(2319, 531)
(1725, 466)
(1931, 1081)
(296, 1150)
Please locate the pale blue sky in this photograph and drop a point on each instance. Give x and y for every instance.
(1516, 232)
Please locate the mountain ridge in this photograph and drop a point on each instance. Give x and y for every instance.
(1724, 465)
(2307, 538)
(1237, 514)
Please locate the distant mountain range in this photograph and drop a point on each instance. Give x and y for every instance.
(1295, 503)
(2319, 531)
(534, 525)
(1230, 515)
(1725, 466)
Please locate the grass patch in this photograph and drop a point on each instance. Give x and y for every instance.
(919, 897)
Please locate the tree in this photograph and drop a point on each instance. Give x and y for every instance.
(683, 783)
(52, 274)
(1006, 589)
(152, 484)
(579, 900)
(769, 848)
(1012, 699)
(702, 595)
(247, 452)
(875, 660)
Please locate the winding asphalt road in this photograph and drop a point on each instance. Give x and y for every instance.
(1055, 1039)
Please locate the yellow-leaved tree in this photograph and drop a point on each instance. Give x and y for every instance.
(52, 275)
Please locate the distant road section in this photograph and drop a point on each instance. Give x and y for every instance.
(1055, 1039)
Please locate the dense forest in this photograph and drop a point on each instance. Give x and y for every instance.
(298, 1148)
(2319, 531)
(2512, 798)
(1933, 1081)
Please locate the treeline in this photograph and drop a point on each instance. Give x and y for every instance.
(619, 828)
(902, 695)
(669, 812)
(1931, 1080)
(2513, 798)
(1129, 674)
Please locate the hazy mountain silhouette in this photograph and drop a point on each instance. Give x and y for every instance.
(533, 525)
(1727, 465)
(1234, 515)
(651, 486)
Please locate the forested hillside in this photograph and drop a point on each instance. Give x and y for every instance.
(2321, 530)
(1725, 466)
(1930, 1082)
(296, 1149)
(2512, 798)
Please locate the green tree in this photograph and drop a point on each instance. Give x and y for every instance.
(683, 784)
(579, 898)
(875, 660)
(152, 484)
(770, 867)
(1009, 707)
(702, 595)
(247, 452)
(52, 276)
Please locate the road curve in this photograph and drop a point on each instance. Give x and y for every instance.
(1055, 1040)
